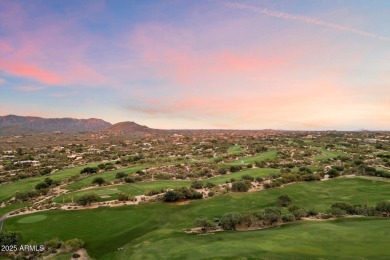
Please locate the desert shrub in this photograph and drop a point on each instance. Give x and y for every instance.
(205, 224)
(98, 180)
(154, 192)
(210, 185)
(74, 244)
(196, 185)
(120, 175)
(181, 194)
(288, 218)
(129, 180)
(89, 170)
(284, 201)
(87, 199)
(240, 186)
(247, 177)
(235, 168)
(229, 221)
(123, 197)
(222, 171)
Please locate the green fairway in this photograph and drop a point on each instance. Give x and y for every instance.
(235, 150)
(8, 191)
(252, 159)
(132, 189)
(32, 219)
(12, 207)
(256, 172)
(110, 175)
(107, 176)
(327, 154)
(359, 239)
(143, 187)
(106, 229)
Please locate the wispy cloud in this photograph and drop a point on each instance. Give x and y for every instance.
(2, 81)
(306, 19)
(29, 88)
(60, 95)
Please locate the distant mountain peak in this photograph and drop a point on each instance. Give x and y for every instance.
(13, 124)
(128, 126)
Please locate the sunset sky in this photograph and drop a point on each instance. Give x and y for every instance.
(318, 64)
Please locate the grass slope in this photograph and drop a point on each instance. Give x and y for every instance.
(12, 207)
(107, 176)
(361, 239)
(256, 172)
(235, 150)
(8, 191)
(143, 187)
(131, 189)
(106, 229)
(252, 159)
(328, 154)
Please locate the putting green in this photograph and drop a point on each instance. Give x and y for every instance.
(32, 219)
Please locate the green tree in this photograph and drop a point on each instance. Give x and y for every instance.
(98, 180)
(19, 151)
(87, 199)
(123, 197)
(10, 238)
(299, 213)
(229, 221)
(197, 185)
(205, 224)
(240, 186)
(383, 206)
(74, 244)
(271, 215)
(120, 175)
(89, 170)
(41, 185)
(284, 200)
(288, 218)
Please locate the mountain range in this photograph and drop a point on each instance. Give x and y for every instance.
(12, 124)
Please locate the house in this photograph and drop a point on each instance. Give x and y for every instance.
(28, 163)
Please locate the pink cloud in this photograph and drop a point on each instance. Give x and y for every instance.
(305, 19)
(31, 71)
(5, 47)
(174, 54)
(29, 88)
(46, 53)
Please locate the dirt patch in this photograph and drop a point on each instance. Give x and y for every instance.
(83, 254)
(180, 203)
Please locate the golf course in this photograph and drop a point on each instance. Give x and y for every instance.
(135, 228)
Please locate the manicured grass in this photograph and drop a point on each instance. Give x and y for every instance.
(328, 154)
(32, 219)
(142, 226)
(107, 176)
(12, 207)
(256, 172)
(257, 158)
(110, 175)
(8, 191)
(374, 178)
(356, 239)
(131, 189)
(143, 187)
(235, 150)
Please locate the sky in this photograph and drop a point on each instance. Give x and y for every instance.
(204, 64)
